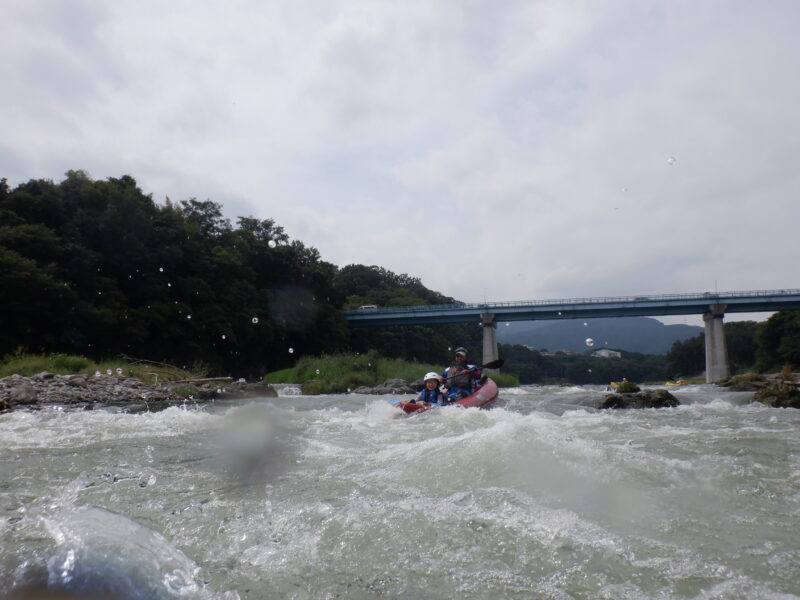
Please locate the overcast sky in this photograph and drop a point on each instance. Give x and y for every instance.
(497, 150)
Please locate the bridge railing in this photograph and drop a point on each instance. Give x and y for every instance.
(710, 297)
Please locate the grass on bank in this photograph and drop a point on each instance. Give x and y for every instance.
(339, 373)
(67, 364)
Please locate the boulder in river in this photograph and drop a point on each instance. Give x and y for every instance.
(780, 394)
(657, 398)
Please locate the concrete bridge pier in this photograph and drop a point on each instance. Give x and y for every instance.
(716, 352)
(489, 338)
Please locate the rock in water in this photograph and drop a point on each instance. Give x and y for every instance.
(780, 394)
(643, 399)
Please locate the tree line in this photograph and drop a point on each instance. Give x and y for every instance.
(762, 347)
(98, 268)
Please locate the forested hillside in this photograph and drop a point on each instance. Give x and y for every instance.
(98, 268)
(634, 334)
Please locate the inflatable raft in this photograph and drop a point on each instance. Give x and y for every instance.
(480, 398)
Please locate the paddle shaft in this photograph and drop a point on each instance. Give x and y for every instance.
(495, 364)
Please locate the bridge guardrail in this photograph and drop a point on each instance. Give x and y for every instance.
(713, 298)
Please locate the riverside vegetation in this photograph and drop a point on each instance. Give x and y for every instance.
(331, 374)
(98, 269)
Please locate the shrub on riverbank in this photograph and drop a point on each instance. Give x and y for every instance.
(28, 365)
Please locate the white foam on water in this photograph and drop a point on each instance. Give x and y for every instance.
(524, 500)
(58, 428)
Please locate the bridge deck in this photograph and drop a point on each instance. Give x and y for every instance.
(579, 308)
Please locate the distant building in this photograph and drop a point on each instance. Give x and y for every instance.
(606, 353)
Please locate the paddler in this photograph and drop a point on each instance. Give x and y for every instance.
(431, 394)
(461, 378)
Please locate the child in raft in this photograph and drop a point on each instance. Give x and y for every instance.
(431, 394)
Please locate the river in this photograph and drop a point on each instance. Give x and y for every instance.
(342, 497)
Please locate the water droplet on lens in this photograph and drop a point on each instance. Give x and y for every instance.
(291, 350)
(169, 285)
(585, 324)
(589, 342)
(119, 371)
(624, 190)
(97, 373)
(559, 313)
(108, 371)
(188, 316)
(590, 370)
(255, 320)
(271, 243)
(160, 269)
(317, 371)
(223, 336)
(671, 160)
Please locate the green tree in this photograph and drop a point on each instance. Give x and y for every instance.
(779, 342)
(98, 268)
(742, 344)
(687, 357)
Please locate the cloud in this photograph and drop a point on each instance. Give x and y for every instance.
(514, 153)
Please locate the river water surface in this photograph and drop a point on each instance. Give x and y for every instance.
(343, 497)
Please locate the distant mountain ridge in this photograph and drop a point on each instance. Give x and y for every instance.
(635, 334)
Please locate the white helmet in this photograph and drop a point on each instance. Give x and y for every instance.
(431, 375)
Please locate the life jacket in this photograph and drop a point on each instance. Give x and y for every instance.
(459, 376)
(427, 395)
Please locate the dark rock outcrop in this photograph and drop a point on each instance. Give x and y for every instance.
(46, 388)
(390, 386)
(780, 394)
(748, 382)
(657, 398)
(84, 391)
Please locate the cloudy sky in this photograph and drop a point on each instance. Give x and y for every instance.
(497, 150)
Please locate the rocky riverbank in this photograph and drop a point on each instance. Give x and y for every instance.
(779, 390)
(391, 386)
(87, 391)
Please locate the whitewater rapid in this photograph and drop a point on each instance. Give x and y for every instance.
(341, 496)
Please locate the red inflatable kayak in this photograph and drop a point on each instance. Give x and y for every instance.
(480, 398)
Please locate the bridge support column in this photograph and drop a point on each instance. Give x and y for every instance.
(716, 352)
(489, 337)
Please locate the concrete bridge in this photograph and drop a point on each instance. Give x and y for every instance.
(712, 306)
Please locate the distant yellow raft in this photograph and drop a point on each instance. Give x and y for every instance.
(679, 382)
